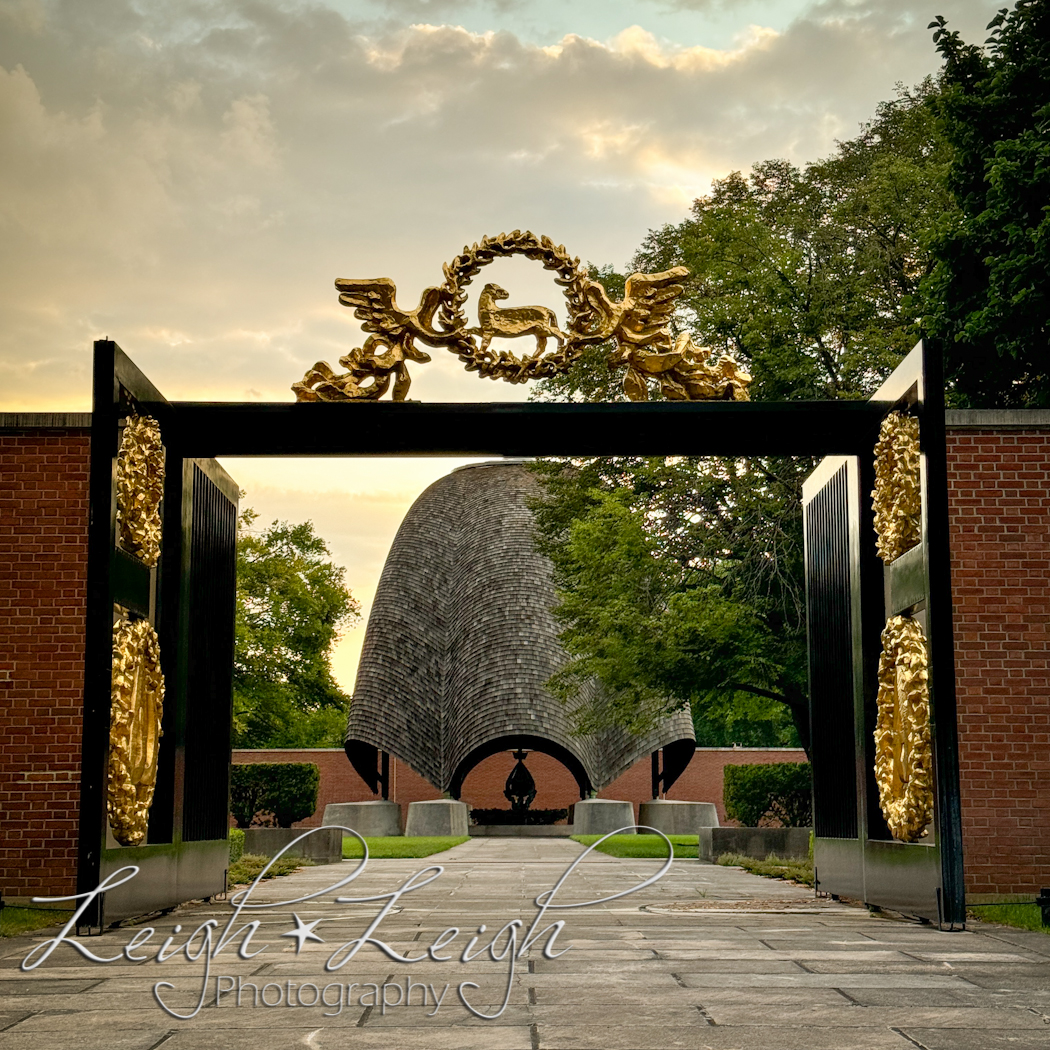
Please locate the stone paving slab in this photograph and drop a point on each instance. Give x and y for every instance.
(633, 979)
(965, 996)
(847, 1015)
(820, 980)
(1035, 983)
(708, 1037)
(500, 1037)
(108, 1039)
(642, 968)
(940, 1039)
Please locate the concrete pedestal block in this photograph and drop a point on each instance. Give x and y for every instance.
(677, 818)
(373, 819)
(599, 816)
(442, 816)
(786, 843)
(322, 846)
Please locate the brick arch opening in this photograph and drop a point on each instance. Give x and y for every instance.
(560, 776)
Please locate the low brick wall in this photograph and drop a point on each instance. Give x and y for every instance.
(555, 786)
(703, 777)
(43, 591)
(999, 499)
(339, 782)
(999, 490)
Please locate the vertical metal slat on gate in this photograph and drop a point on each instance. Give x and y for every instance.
(831, 660)
(209, 664)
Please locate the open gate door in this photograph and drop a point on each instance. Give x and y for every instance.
(179, 841)
(851, 597)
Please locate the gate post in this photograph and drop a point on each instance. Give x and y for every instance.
(851, 596)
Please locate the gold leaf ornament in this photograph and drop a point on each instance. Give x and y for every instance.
(903, 752)
(140, 488)
(638, 327)
(136, 710)
(897, 496)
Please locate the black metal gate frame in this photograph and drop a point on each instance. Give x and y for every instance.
(797, 428)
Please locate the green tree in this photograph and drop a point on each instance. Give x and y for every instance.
(808, 276)
(680, 584)
(988, 297)
(682, 579)
(291, 604)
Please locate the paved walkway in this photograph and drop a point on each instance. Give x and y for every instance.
(640, 975)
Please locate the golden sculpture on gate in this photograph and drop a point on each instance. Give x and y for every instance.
(638, 325)
(140, 488)
(136, 710)
(897, 496)
(903, 754)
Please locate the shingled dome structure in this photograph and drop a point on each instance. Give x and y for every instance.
(461, 641)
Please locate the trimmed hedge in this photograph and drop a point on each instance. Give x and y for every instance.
(288, 789)
(236, 845)
(247, 791)
(774, 792)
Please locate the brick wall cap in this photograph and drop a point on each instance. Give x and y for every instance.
(45, 420)
(997, 419)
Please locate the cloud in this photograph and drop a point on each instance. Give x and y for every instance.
(419, 10)
(357, 505)
(189, 178)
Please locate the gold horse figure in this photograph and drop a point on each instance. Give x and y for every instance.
(511, 322)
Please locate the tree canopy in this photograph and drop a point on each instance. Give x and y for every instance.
(681, 580)
(988, 296)
(808, 275)
(291, 605)
(679, 584)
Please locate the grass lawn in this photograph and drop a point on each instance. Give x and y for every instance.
(1023, 916)
(247, 867)
(15, 921)
(642, 845)
(772, 867)
(394, 846)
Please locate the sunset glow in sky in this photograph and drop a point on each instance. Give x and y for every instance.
(188, 178)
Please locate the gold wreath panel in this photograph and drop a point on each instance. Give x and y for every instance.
(638, 327)
(897, 496)
(136, 710)
(903, 753)
(140, 488)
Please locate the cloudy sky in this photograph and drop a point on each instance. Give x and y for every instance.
(188, 177)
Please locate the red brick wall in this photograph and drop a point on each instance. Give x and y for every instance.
(702, 779)
(1000, 539)
(339, 782)
(555, 785)
(999, 498)
(43, 589)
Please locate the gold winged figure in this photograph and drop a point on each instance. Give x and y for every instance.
(385, 353)
(638, 326)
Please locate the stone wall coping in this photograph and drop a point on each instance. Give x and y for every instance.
(744, 750)
(997, 419)
(289, 750)
(45, 420)
(956, 419)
